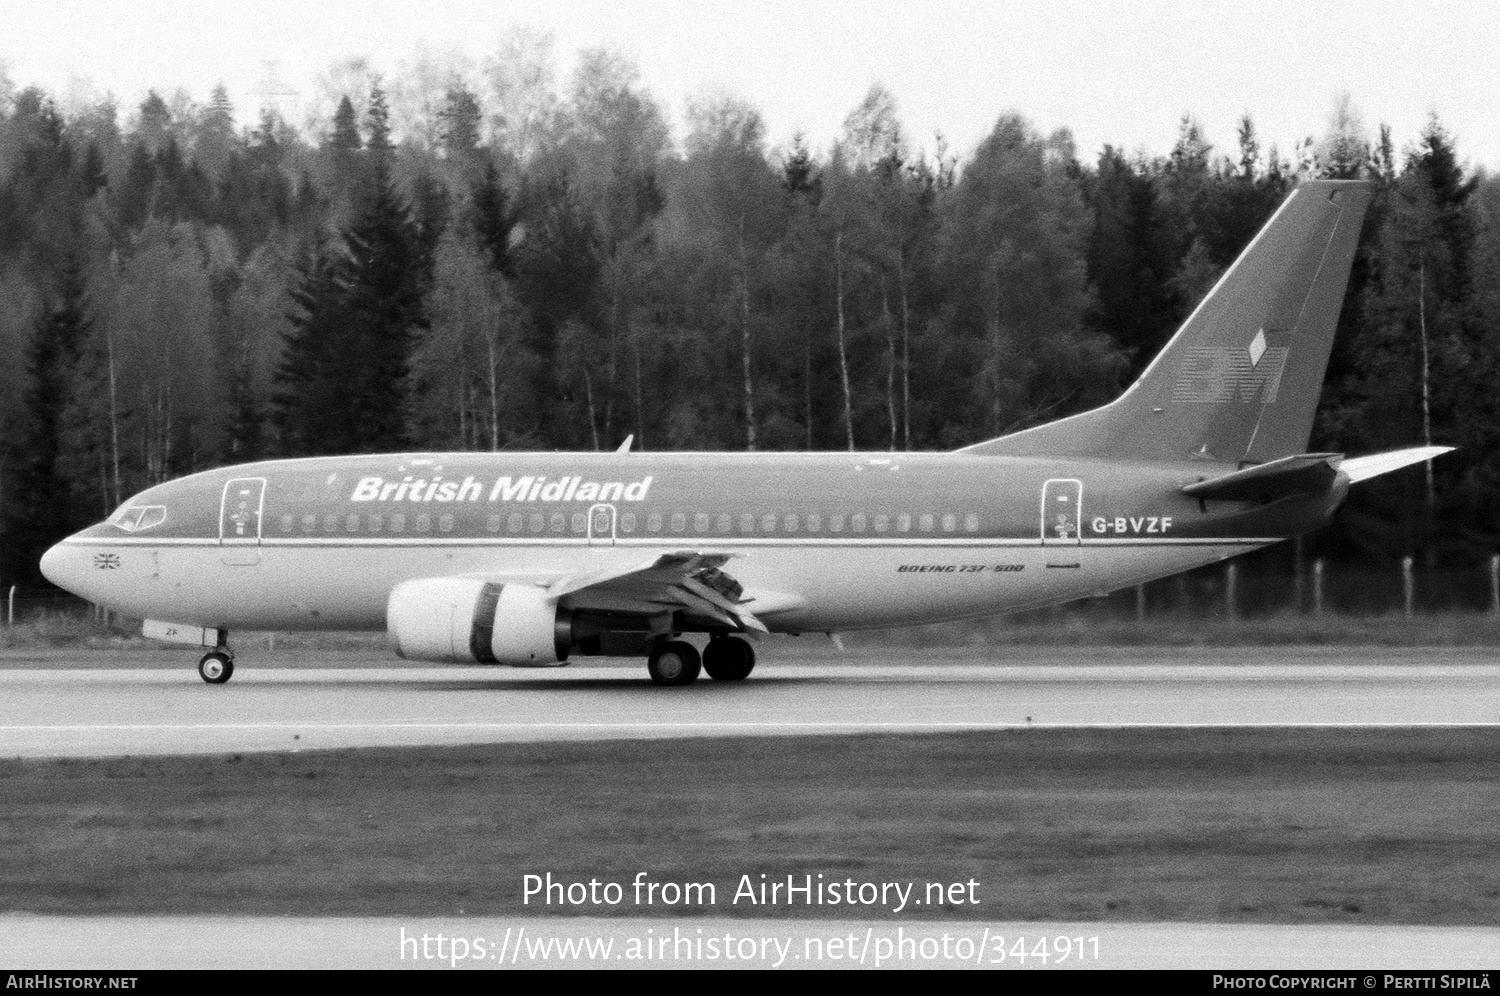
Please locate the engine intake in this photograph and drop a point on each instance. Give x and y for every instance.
(466, 620)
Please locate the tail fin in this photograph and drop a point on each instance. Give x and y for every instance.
(1239, 382)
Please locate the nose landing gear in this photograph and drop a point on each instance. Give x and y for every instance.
(217, 666)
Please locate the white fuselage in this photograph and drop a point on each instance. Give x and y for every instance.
(938, 537)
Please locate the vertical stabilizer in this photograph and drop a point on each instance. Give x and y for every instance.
(1239, 382)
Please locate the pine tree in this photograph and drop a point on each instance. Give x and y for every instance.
(493, 221)
(388, 280)
(156, 121)
(378, 123)
(343, 379)
(312, 405)
(461, 117)
(39, 507)
(1129, 259)
(345, 136)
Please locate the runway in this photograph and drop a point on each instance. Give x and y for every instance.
(143, 708)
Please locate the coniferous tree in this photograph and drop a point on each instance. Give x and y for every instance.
(1129, 259)
(345, 136)
(388, 280)
(39, 507)
(312, 403)
(461, 118)
(494, 220)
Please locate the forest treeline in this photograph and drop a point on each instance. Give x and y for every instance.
(523, 266)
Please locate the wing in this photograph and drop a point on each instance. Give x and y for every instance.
(690, 581)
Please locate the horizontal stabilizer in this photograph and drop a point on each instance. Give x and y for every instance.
(1303, 474)
(1365, 467)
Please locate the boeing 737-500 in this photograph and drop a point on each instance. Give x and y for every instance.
(529, 559)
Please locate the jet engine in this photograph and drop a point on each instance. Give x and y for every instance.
(467, 620)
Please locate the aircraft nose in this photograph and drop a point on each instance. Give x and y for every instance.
(63, 566)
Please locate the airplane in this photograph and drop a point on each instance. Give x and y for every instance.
(530, 559)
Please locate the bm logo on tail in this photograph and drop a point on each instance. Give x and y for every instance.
(1225, 374)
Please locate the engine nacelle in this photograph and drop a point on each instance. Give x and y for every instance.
(467, 620)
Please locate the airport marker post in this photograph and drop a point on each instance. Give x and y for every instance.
(1495, 584)
(1408, 586)
(1230, 574)
(10, 608)
(1318, 587)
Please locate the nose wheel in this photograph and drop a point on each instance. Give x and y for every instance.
(216, 667)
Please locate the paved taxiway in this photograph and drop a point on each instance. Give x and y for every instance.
(99, 711)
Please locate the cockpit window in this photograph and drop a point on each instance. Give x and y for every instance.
(138, 518)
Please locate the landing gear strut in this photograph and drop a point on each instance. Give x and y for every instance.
(727, 658)
(674, 662)
(217, 666)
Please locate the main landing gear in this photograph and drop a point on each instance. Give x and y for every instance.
(728, 659)
(217, 666)
(677, 662)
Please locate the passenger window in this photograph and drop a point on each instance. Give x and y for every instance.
(424, 523)
(903, 523)
(351, 523)
(835, 523)
(791, 523)
(558, 522)
(723, 523)
(814, 522)
(330, 523)
(949, 523)
(747, 523)
(515, 522)
(768, 523)
(857, 522)
(537, 522)
(627, 522)
(971, 523)
(927, 523)
(372, 523)
(287, 523)
(882, 523)
(679, 522)
(653, 522)
(398, 522)
(492, 523)
(700, 522)
(580, 522)
(445, 523)
(309, 523)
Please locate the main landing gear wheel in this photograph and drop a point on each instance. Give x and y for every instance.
(216, 667)
(674, 663)
(728, 658)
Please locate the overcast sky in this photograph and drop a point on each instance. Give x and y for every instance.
(1122, 73)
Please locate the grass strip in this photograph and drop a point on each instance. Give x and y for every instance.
(1281, 825)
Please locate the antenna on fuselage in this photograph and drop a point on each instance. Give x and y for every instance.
(625, 446)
